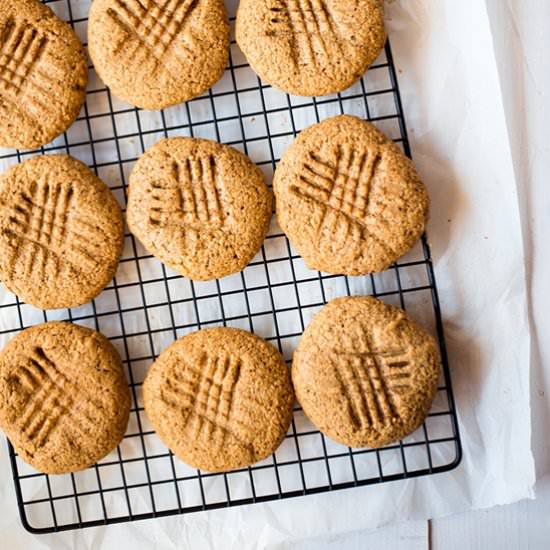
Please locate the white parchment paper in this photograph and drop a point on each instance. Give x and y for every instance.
(520, 31)
(452, 98)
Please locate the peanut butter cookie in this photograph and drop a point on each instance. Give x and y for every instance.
(348, 199)
(61, 232)
(220, 399)
(311, 47)
(201, 207)
(43, 74)
(157, 53)
(365, 373)
(64, 398)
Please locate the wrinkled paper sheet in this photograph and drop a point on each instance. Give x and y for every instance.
(444, 51)
(520, 30)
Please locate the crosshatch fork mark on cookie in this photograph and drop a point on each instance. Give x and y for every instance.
(343, 184)
(371, 380)
(340, 189)
(45, 235)
(153, 24)
(205, 397)
(48, 396)
(23, 82)
(189, 197)
(311, 30)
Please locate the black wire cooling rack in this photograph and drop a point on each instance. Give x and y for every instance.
(147, 306)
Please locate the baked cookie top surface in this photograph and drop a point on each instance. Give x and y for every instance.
(364, 373)
(220, 398)
(64, 398)
(43, 74)
(201, 207)
(348, 199)
(61, 232)
(157, 53)
(310, 47)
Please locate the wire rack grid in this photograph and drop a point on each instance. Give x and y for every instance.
(147, 306)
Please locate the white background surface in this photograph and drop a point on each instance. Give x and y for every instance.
(465, 187)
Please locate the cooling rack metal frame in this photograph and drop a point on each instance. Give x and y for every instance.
(275, 302)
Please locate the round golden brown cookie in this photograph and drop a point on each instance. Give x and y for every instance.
(364, 373)
(201, 207)
(157, 53)
(348, 199)
(64, 398)
(61, 232)
(220, 399)
(311, 47)
(43, 74)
